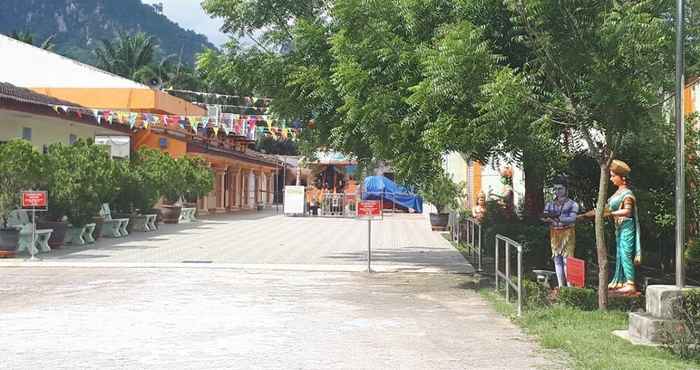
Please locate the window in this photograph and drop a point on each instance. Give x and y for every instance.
(72, 139)
(27, 133)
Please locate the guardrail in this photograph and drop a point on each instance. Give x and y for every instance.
(508, 243)
(473, 241)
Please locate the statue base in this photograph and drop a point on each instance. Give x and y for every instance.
(661, 319)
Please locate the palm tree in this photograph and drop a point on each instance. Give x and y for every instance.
(28, 38)
(129, 56)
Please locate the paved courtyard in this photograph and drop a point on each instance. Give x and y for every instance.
(265, 239)
(134, 318)
(258, 291)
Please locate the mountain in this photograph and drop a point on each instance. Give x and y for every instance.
(79, 25)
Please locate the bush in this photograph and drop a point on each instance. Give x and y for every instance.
(535, 295)
(684, 339)
(198, 177)
(77, 176)
(442, 192)
(583, 299)
(20, 166)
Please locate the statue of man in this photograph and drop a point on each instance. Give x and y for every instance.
(560, 214)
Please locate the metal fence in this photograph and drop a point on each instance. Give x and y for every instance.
(471, 229)
(506, 276)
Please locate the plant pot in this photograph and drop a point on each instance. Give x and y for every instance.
(8, 240)
(99, 221)
(171, 214)
(58, 234)
(439, 220)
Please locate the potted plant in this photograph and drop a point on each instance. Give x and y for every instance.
(136, 194)
(442, 192)
(165, 174)
(198, 178)
(103, 172)
(20, 166)
(74, 175)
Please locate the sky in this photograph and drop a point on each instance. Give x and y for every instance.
(190, 15)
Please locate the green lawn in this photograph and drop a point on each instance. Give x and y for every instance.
(587, 337)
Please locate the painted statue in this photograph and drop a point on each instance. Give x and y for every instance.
(479, 212)
(561, 214)
(506, 197)
(622, 207)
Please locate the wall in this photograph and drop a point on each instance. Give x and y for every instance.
(46, 130)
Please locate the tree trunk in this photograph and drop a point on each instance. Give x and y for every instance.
(534, 189)
(601, 247)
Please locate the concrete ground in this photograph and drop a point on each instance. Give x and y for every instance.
(399, 242)
(120, 318)
(257, 291)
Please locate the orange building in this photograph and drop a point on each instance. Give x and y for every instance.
(243, 178)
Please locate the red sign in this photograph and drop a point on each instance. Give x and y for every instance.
(34, 199)
(576, 272)
(369, 209)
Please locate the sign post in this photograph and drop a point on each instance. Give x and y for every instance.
(576, 272)
(34, 200)
(369, 210)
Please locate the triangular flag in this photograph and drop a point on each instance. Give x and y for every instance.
(216, 131)
(193, 122)
(205, 121)
(156, 120)
(65, 108)
(165, 120)
(132, 119)
(79, 114)
(182, 122)
(98, 117)
(55, 107)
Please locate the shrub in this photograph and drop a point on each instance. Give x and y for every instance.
(198, 177)
(684, 339)
(535, 295)
(20, 166)
(442, 192)
(75, 178)
(583, 299)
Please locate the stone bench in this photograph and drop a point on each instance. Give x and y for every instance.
(187, 215)
(25, 240)
(81, 235)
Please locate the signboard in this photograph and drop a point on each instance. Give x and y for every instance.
(35, 200)
(576, 272)
(369, 209)
(294, 199)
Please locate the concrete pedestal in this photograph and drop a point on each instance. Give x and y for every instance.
(662, 316)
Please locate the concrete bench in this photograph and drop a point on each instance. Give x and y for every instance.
(187, 215)
(113, 228)
(19, 219)
(81, 235)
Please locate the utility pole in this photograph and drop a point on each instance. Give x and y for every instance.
(680, 146)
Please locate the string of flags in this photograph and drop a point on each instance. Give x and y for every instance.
(248, 126)
(247, 99)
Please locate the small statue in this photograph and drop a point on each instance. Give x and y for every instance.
(479, 211)
(506, 198)
(622, 208)
(561, 214)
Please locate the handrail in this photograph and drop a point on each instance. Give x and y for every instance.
(507, 242)
(473, 240)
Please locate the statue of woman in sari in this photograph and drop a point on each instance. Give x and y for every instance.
(622, 207)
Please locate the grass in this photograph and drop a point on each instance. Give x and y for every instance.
(586, 336)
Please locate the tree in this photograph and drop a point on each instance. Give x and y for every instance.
(28, 38)
(601, 69)
(132, 56)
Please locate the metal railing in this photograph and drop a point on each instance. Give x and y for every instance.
(473, 241)
(508, 243)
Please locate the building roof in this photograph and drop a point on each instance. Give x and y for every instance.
(30, 66)
(10, 91)
(51, 74)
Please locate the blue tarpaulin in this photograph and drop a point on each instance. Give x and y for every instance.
(379, 187)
